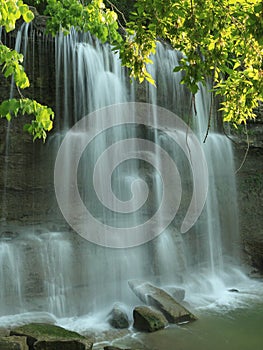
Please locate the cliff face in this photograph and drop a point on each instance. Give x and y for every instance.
(250, 191)
(26, 175)
(26, 168)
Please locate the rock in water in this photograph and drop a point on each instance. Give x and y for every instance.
(157, 297)
(148, 319)
(41, 336)
(118, 317)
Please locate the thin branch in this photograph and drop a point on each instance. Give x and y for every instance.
(246, 153)
(229, 138)
(209, 118)
(20, 93)
(117, 10)
(192, 106)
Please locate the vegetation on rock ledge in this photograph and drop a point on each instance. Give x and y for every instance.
(221, 42)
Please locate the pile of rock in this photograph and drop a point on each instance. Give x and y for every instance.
(159, 309)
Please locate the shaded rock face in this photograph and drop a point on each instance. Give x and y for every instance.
(60, 344)
(250, 196)
(253, 247)
(26, 167)
(41, 336)
(161, 300)
(148, 319)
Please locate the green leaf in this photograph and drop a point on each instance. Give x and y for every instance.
(28, 16)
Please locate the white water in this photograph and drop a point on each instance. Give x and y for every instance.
(63, 275)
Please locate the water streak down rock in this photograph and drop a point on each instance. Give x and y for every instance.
(158, 298)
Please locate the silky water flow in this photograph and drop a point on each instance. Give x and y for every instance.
(54, 274)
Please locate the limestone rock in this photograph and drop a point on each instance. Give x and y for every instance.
(157, 297)
(41, 336)
(13, 343)
(118, 317)
(148, 319)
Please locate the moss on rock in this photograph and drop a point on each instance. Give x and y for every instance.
(43, 336)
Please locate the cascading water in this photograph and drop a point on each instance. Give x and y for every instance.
(63, 274)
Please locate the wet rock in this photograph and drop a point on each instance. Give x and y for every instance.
(13, 343)
(161, 300)
(233, 290)
(177, 293)
(42, 336)
(118, 317)
(148, 319)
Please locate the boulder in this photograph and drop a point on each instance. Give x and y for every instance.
(177, 293)
(13, 343)
(148, 319)
(161, 300)
(118, 317)
(41, 336)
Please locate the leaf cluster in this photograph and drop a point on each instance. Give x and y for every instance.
(43, 115)
(221, 40)
(91, 17)
(11, 63)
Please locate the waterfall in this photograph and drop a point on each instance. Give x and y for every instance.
(64, 274)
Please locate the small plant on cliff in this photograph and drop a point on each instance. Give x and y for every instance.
(11, 63)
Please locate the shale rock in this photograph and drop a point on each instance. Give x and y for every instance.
(161, 300)
(13, 343)
(118, 317)
(42, 336)
(148, 319)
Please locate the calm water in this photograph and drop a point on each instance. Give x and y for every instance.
(241, 329)
(234, 323)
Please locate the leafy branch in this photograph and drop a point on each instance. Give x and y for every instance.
(11, 63)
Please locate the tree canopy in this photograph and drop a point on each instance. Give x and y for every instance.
(220, 41)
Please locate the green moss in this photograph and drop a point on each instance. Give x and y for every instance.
(47, 331)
